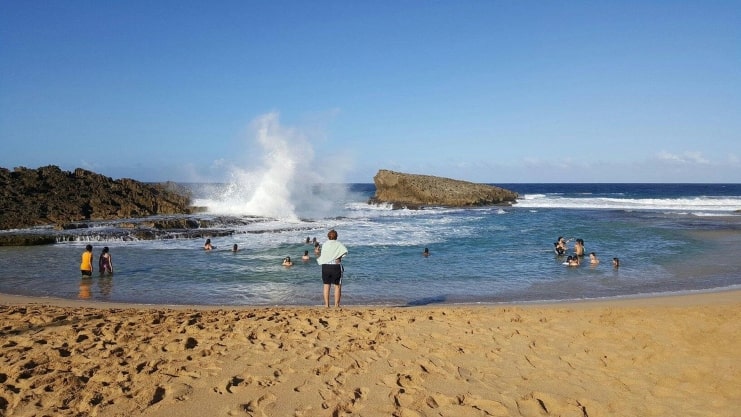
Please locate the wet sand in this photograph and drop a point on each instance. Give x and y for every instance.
(662, 356)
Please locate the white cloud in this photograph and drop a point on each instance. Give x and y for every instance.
(666, 156)
(696, 157)
(688, 157)
(94, 167)
(531, 161)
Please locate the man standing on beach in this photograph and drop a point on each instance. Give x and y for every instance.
(331, 261)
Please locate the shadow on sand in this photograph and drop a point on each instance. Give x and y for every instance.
(439, 299)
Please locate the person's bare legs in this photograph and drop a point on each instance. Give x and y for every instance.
(326, 295)
(337, 295)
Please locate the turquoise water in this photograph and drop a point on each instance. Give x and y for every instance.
(669, 238)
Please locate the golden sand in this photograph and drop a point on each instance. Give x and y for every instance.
(673, 356)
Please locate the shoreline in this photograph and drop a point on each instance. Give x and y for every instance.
(664, 355)
(671, 298)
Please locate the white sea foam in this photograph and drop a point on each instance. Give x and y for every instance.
(697, 204)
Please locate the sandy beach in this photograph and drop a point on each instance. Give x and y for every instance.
(664, 356)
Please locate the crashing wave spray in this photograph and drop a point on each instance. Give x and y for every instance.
(286, 186)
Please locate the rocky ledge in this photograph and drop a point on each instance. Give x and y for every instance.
(48, 196)
(417, 191)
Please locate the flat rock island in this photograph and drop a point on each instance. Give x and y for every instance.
(417, 191)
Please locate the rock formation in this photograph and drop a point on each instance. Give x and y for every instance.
(50, 196)
(416, 191)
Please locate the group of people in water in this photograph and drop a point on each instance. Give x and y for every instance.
(105, 262)
(561, 247)
(287, 262)
(329, 256)
(105, 267)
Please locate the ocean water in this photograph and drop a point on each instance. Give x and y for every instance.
(669, 238)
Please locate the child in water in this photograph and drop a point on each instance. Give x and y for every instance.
(593, 258)
(105, 262)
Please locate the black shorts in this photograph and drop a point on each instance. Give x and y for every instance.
(332, 274)
(86, 273)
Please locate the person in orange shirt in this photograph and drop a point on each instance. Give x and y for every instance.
(86, 265)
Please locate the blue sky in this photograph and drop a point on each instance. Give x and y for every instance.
(485, 91)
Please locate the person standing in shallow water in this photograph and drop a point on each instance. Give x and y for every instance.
(561, 245)
(105, 262)
(86, 264)
(579, 247)
(331, 261)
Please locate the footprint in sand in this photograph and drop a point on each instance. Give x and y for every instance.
(257, 407)
(235, 382)
(537, 403)
(179, 391)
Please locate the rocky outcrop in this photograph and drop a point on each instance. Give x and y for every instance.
(416, 191)
(160, 227)
(50, 196)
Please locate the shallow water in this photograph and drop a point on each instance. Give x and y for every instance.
(477, 255)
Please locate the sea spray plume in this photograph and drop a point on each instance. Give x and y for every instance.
(272, 195)
(284, 186)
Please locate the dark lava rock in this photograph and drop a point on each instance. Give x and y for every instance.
(50, 196)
